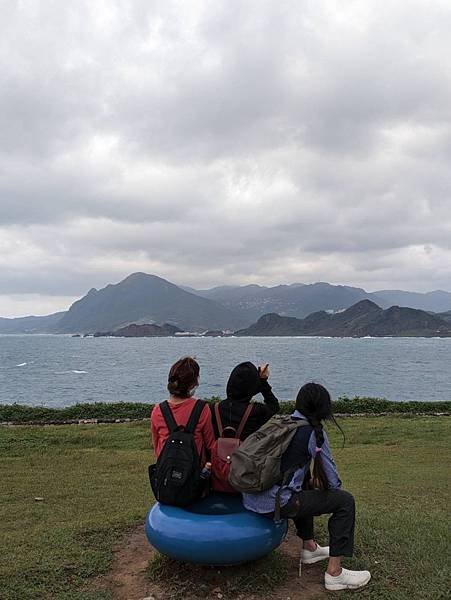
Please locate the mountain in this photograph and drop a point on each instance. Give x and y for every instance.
(145, 330)
(142, 298)
(297, 300)
(365, 318)
(437, 301)
(446, 316)
(30, 324)
(300, 300)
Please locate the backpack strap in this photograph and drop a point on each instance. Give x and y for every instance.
(195, 416)
(218, 419)
(287, 477)
(168, 416)
(244, 419)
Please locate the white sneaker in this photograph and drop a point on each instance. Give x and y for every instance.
(308, 557)
(347, 580)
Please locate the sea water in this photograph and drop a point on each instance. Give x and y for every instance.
(55, 370)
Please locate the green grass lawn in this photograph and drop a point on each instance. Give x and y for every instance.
(93, 482)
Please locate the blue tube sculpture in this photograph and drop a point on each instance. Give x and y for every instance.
(216, 530)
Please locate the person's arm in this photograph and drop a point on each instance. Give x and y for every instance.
(213, 420)
(154, 430)
(208, 435)
(271, 402)
(330, 468)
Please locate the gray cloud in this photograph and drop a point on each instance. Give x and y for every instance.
(223, 143)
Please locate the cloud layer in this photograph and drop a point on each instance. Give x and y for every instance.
(227, 142)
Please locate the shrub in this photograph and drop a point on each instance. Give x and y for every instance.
(105, 411)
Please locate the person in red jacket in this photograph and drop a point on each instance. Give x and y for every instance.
(183, 379)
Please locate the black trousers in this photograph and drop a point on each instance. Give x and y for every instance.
(305, 505)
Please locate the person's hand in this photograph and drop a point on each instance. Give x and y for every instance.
(263, 371)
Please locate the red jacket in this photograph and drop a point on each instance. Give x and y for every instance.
(203, 434)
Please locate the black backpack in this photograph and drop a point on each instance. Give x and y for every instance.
(175, 478)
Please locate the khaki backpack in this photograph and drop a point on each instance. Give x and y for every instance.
(256, 463)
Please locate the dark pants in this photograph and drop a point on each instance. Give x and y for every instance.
(305, 505)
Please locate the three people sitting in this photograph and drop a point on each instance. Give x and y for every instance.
(305, 494)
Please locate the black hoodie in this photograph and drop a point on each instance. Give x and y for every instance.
(245, 383)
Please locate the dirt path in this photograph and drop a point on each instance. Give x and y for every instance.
(128, 580)
(311, 584)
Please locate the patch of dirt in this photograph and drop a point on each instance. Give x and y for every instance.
(128, 578)
(310, 586)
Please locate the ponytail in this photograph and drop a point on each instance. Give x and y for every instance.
(319, 476)
(314, 402)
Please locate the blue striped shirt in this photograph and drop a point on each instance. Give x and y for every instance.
(264, 502)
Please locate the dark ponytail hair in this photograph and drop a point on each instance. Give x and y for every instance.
(183, 377)
(314, 402)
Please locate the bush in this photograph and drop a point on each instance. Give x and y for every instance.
(18, 413)
(365, 405)
(105, 411)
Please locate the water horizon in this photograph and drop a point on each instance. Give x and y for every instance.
(57, 370)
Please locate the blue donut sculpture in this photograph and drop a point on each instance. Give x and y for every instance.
(217, 530)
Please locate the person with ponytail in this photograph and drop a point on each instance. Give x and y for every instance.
(311, 494)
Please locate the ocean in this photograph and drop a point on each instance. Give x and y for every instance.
(56, 371)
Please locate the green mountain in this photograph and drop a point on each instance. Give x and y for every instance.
(362, 319)
(142, 298)
(300, 300)
(297, 300)
(436, 301)
(446, 316)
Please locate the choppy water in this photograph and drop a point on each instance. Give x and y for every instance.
(60, 370)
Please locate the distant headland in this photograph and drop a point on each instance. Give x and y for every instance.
(145, 305)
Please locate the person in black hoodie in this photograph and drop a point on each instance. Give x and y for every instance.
(245, 382)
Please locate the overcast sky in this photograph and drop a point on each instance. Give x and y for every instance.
(223, 142)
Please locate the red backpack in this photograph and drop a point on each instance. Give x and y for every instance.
(221, 452)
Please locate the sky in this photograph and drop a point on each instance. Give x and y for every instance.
(223, 142)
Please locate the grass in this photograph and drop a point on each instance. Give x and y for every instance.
(106, 411)
(93, 484)
(93, 481)
(398, 470)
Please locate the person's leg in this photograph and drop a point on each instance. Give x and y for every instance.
(305, 531)
(334, 566)
(307, 504)
(304, 525)
(342, 524)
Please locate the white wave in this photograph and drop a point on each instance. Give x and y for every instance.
(75, 371)
(21, 365)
